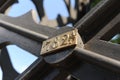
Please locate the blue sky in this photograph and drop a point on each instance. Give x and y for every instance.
(51, 10)
(21, 59)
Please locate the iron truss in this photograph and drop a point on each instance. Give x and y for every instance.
(99, 59)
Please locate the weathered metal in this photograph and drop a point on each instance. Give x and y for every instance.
(65, 40)
(99, 59)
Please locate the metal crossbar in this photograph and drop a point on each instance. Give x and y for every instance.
(99, 59)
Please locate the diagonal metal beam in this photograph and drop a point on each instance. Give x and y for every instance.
(97, 18)
(28, 27)
(27, 36)
(103, 66)
(43, 71)
(4, 4)
(9, 37)
(9, 73)
(40, 70)
(100, 45)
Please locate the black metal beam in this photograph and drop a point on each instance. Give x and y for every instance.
(97, 18)
(4, 4)
(27, 36)
(9, 73)
(101, 44)
(96, 58)
(9, 37)
(43, 71)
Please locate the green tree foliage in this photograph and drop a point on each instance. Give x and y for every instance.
(116, 39)
(94, 2)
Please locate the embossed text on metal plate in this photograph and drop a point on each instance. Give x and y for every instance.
(62, 41)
